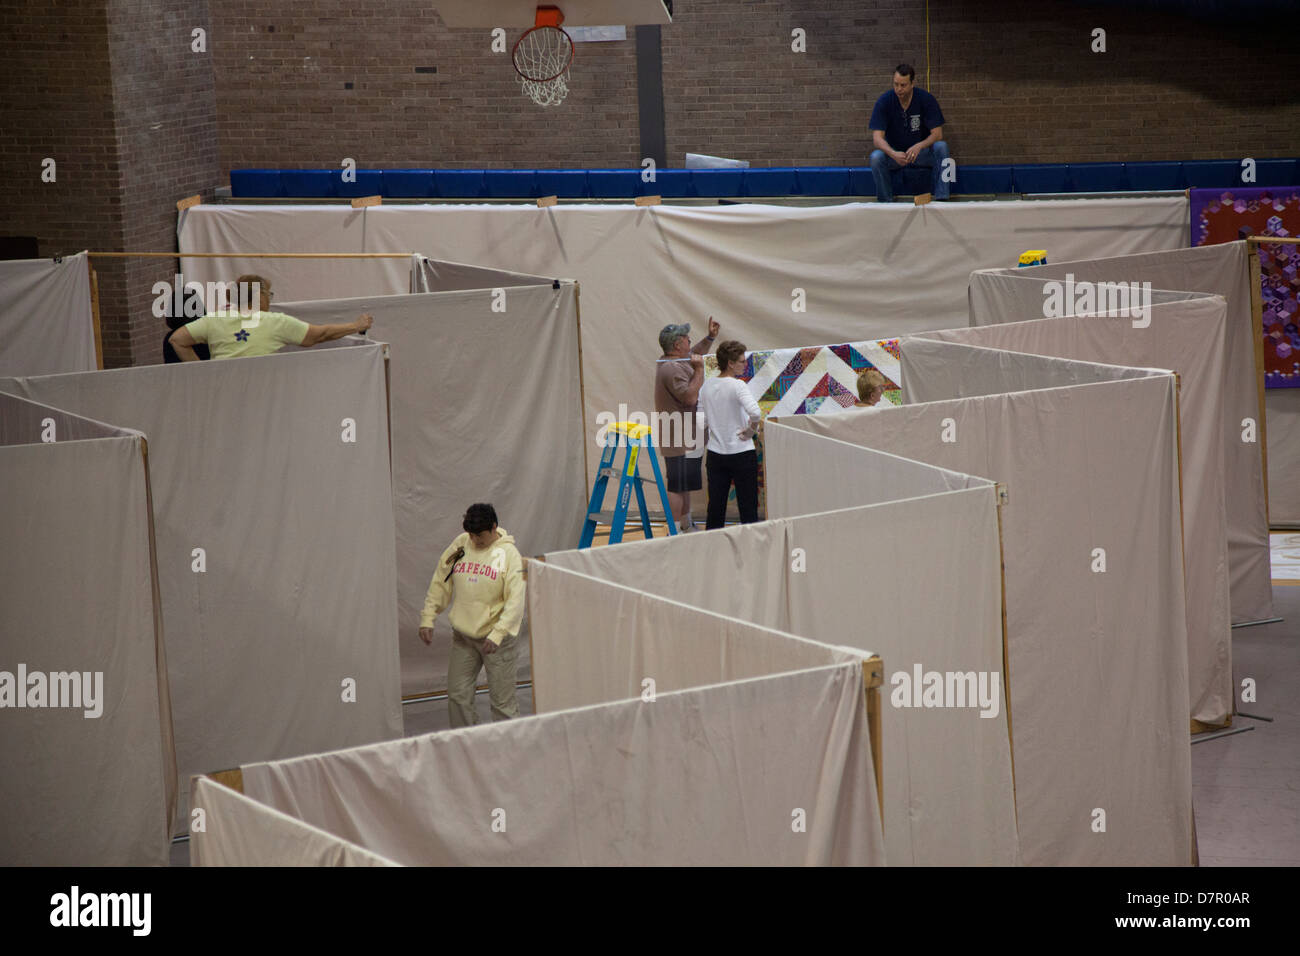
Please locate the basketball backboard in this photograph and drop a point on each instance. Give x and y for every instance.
(577, 13)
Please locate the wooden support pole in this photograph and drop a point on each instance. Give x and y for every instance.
(873, 676)
(1257, 325)
(251, 255)
(582, 395)
(94, 315)
(1001, 496)
(528, 600)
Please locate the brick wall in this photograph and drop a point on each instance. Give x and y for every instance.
(58, 104)
(1017, 80)
(135, 120)
(112, 92)
(283, 101)
(165, 108)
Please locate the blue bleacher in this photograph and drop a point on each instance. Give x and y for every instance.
(470, 184)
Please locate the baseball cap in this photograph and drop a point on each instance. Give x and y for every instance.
(671, 333)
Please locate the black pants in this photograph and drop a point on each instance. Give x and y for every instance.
(742, 469)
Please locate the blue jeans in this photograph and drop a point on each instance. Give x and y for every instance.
(932, 157)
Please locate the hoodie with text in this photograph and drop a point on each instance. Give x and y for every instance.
(485, 590)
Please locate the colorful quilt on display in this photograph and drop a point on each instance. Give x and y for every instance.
(1226, 215)
(818, 380)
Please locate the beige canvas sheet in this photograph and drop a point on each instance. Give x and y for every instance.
(809, 473)
(89, 771)
(657, 640)
(774, 276)
(238, 831)
(281, 632)
(45, 317)
(919, 579)
(1014, 295)
(1098, 661)
(862, 577)
(1187, 337)
(770, 770)
(433, 275)
(485, 406)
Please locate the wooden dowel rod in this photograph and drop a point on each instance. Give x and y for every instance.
(1260, 240)
(252, 255)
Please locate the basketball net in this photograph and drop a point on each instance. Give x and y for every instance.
(542, 57)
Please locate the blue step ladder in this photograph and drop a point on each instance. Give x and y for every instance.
(637, 437)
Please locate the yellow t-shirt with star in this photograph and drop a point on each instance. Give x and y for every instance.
(231, 335)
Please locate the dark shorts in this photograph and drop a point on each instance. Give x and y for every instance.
(683, 474)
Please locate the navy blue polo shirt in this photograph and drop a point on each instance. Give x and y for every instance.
(905, 129)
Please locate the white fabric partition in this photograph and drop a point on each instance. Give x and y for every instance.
(1185, 336)
(1014, 295)
(645, 782)
(242, 832)
(275, 545)
(87, 764)
(864, 270)
(870, 581)
(485, 406)
(46, 325)
(919, 579)
(657, 639)
(1283, 406)
(433, 275)
(1098, 661)
(807, 474)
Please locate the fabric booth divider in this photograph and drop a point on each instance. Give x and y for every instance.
(86, 743)
(773, 276)
(485, 406)
(1015, 295)
(274, 535)
(46, 322)
(1097, 661)
(1188, 336)
(624, 781)
(947, 773)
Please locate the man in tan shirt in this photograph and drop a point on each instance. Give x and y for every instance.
(678, 377)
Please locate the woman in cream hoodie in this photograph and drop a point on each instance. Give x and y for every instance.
(481, 577)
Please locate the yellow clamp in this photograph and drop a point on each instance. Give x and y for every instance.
(630, 429)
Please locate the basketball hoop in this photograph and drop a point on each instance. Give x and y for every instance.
(542, 57)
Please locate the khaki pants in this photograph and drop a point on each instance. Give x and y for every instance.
(467, 659)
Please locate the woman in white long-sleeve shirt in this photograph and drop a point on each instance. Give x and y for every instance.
(733, 418)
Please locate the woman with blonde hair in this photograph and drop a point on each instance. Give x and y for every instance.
(871, 385)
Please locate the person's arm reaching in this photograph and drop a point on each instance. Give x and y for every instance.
(688, 393)
(316, 334)
(703, 346)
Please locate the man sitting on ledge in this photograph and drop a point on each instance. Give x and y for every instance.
(907, 130)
